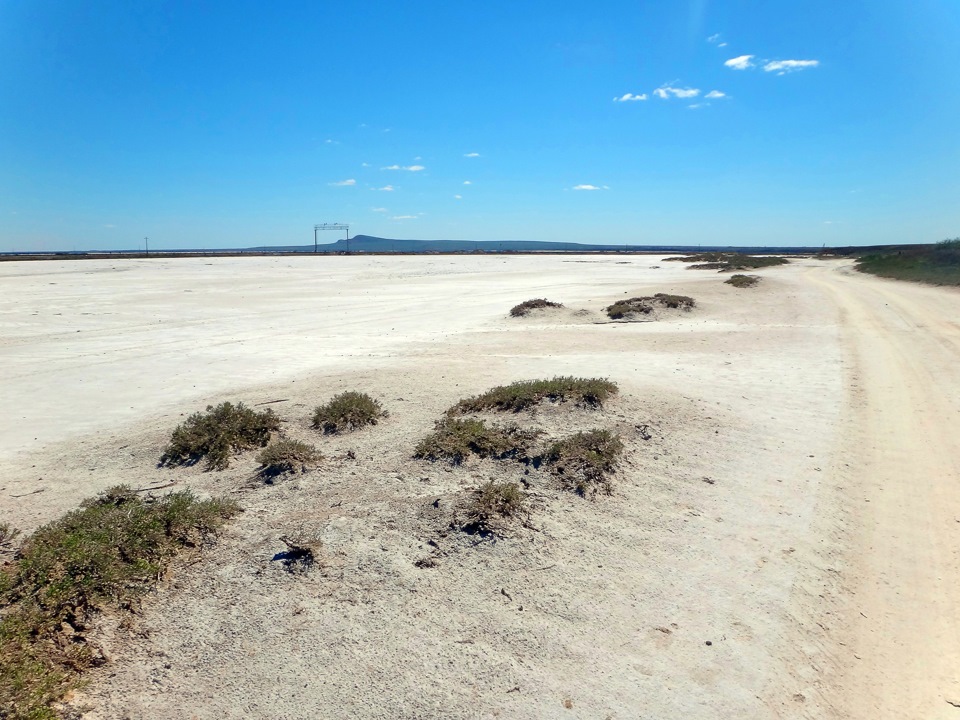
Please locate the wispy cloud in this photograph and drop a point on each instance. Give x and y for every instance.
(472, 154)
(715, 95)
(468, 182)
(785, 66)
(630, 97)
(404, 217)
(458, 197)
(740, 63)
(344, 183)
(715, 38)
(379, 210)
(410, 168)
(590, 187)
(108, 225)
(386, 188)
(364, 164)
(665, 92)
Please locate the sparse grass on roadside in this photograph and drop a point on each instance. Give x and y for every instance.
(626, 309)
(287, 456)
(217, 434)
(105, 554)
(583, 461)
(8, 534)
(934, 264)
(302, 553)
(347, 411)
(494, 502)
(455, 440)
(526, 306)
(743, 281)
(590, 392)
(727, 261)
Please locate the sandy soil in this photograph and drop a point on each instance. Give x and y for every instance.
(795, 505)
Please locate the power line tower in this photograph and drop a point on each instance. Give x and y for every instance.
(331, 226)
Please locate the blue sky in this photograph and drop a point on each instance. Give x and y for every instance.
(231, 124)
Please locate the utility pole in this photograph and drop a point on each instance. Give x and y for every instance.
(146, 242)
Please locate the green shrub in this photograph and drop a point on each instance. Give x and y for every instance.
(518, 396)
(455, 440)
(583, 461)
(526, 306)
(102, 555)
(646, 305)
(493, 502)
(725, 261)
(287, 456)
(937, 264)
(347, 411)
(743, 281)
(217, 434)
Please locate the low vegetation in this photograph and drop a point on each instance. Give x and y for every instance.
(287, 456)
(526, 306)
(455, 440)
(728, 261)
(219, 433)
(743, 281)
(103, 555)
(494, 502)
(8, 534)
(935, 264)
(591, 392)
(626, 309)
(302, 553)
(347, 411)
(584, 461)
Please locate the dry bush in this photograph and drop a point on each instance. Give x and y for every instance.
(743, 281)
(493, 503)
(646, 305)
(583, 461)
(288, 456)
(455, 440)
(526, 306)
(591, 392)
(347, 411)
(104, 554)
(217, 434)
(8, 534)
(725, 261)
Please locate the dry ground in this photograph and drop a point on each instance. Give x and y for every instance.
(795, 504)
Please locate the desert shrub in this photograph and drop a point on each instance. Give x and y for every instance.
(303, 551)
(518, 396)
(493, 502)
(455, 440)
(287, 456)
(646, 305)
(526, 306)
(937, 264)
(102, 555)
(725, 261)
(8, 534)
(217, 434)
(742, 281)
(347, 411)
(584, 460)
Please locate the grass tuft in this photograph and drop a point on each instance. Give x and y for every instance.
(625, 309)
(104, 554)
(518, 396)
(526, 306)
(455, 440)
(743, 281)
(217, 434)
(347, 411)
(583, 461)
(494, 502)
(287, 456)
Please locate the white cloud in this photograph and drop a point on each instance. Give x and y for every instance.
(468, 182)
(415, 168)
(722, 45)
(404, 217)
(344, 183)
(458, 197)
(697, 106)
(664, 92)
(590, 187)
(472, 154)
(364, 164)
(785, 66)
(108, 225)
(379, 210)
(411, 168)
(630, 97)
(715, 95)
(386, 188)
(740, 63)
(713, 38)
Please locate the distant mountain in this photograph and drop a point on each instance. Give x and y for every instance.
(370, 244)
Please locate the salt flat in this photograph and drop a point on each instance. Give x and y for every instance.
(788, 496)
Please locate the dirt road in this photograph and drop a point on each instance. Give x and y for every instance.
(901, 471)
